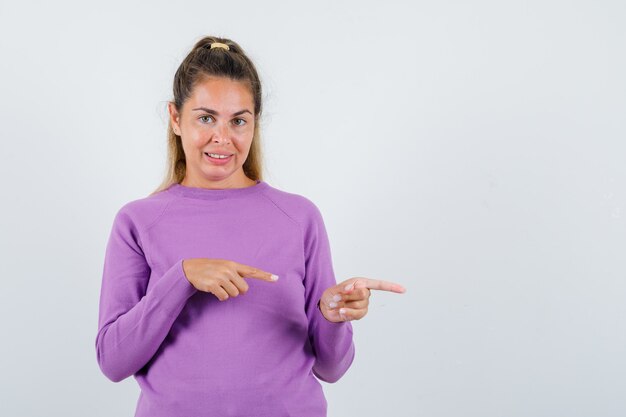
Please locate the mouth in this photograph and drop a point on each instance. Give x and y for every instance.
(217, 158)
(218, 155)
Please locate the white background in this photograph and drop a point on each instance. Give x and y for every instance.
(473, 151)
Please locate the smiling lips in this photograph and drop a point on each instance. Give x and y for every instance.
(217, 155)
(218, 158)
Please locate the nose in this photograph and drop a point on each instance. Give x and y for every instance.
(221, 133)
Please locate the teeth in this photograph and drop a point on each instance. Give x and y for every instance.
(214, 155)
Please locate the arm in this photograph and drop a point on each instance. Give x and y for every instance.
(132, 323)
(332, 342)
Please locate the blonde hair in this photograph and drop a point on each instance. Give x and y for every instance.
(201, 62)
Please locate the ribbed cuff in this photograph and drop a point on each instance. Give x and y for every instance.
(173, 289)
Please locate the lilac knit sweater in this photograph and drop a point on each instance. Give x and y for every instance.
(255, 355)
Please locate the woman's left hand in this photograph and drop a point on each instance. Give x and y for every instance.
(349, 299)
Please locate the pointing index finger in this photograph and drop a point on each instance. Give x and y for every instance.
(376, 284)
(251, 272)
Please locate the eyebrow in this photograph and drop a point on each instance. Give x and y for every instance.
(217, 114)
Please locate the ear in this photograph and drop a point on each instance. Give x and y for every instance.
(174, 117)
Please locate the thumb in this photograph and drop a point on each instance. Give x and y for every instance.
(352, 283)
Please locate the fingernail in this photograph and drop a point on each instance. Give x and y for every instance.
(348, 287)
(274, 277)
(332, 304)
(337, 297)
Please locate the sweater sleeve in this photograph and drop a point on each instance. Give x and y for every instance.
(332, 342)
(133, 323)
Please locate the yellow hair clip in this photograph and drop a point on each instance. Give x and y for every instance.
(219, 45)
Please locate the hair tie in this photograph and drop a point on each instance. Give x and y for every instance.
(219, 45)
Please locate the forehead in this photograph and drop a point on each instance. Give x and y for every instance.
(221, 93)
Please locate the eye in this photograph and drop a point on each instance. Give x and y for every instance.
(241, 124)
(202, 117)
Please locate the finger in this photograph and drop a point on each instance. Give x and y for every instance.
(251, 272)
(240, 283)
(352, 313)
(361, 303)
(230, 288)
(338, 299)
(332, 299)
(355, 294)
(339, 292)
(333, 315)
(353, 304)
(375, 284)
(219, 293)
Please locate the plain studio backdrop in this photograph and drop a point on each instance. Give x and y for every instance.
(471, 151)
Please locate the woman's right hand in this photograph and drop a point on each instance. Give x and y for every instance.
(221, 277)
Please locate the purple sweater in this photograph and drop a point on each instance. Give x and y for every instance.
(257, 354)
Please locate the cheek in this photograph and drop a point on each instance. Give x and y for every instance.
(242, 142)
(191, 145)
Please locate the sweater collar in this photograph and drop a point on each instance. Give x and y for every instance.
(217, 194)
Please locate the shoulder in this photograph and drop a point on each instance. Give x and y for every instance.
(298, 207)
(143, 212)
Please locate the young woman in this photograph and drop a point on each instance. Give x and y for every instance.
(218, 292)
